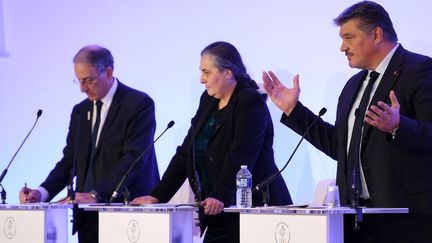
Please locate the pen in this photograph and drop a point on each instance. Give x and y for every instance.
(26, 189)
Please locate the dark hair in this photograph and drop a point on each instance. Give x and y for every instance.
(226, 56)
(371, 15)
(97, 56)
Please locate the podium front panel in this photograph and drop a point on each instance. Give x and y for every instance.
(162, 224)
(291, 228)
(33, 223)
(297, 224)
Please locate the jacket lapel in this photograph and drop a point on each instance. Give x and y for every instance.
(208, 108)
(112, 113)
(387, 82)
(83, 148)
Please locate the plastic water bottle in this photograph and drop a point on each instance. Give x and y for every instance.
(244, 188)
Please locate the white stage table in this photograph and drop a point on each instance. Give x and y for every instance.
(34, 222)
(159, 223)
(297, 225)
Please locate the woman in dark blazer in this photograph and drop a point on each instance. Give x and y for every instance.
(232, 127)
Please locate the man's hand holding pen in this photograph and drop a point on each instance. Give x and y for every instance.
(27, 195)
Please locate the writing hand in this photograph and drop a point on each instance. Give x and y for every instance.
(27, 195)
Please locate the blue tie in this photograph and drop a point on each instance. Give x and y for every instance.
(353, 162)
(89, 176)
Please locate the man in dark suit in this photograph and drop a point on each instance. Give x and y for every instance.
(382, 136)
(107, 132)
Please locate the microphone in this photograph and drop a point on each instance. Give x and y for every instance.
(272, 177)
(123, 179)
(39, 113)
(3, 193)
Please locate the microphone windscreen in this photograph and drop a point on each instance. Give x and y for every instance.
(322, 111)
(170, 124)
(39, 113)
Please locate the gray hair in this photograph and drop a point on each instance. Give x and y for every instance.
(97, 56)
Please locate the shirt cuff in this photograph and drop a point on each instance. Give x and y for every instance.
(44, 193)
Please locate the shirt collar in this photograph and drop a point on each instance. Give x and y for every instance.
(109, 96)
(385, 62)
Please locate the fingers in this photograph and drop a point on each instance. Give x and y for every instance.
(382, 111)
(65, 200)
(383, 116)
(29, 196)
(268, 83)
(375, 116)
(212, 206)
(23, 195)
(296, 82)
(139, 200)
(274, 78)
(272, 83)
(145, 200)
(394, 101)
(135, 201)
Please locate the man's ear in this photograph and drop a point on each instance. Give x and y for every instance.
(109, 71)
(229, 74)
(378, 35)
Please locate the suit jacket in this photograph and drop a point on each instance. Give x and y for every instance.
(243, 136)
(128, 130)
(398, 172)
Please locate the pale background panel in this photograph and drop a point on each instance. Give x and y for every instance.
(156, 46)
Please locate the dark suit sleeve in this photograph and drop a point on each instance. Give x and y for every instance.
(174, 175)
(415, 127)
(176, 172)
(322, 135)
(59, 176)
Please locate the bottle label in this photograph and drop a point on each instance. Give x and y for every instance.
(242, 182)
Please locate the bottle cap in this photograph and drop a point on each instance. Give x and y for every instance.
(243, 166)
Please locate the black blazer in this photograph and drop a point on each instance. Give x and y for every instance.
(243, 136)
(128, 129)
(398, 172)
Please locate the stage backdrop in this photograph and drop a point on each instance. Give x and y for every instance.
(156, 47)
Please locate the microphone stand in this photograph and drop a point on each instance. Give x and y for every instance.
(197, 184)
(259, 187)
(3, 192)
(70, 189)
(123, 179)
(358, 217)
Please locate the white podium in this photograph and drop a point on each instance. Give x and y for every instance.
(36, 223)
(159, 223)
(297, 225)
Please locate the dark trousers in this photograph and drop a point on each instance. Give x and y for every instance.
(222, 228)
(389, 228)
(87, 224)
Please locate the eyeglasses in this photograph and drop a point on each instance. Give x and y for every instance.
(87, 81)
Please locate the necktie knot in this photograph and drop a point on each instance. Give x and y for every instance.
(99, 104)
(373, 76)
